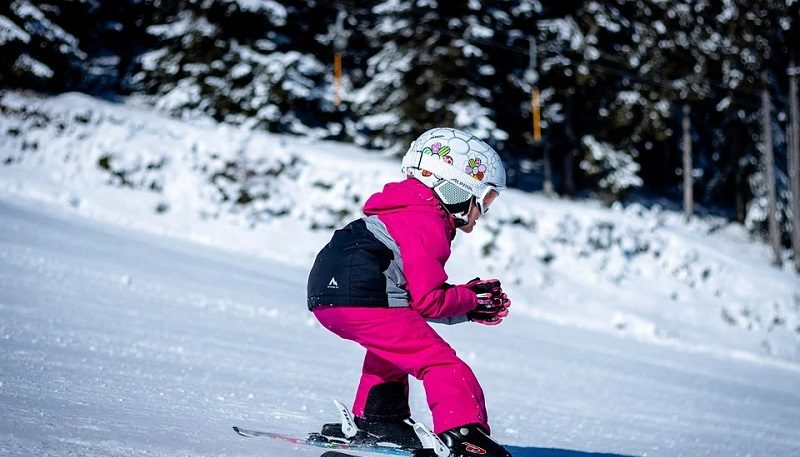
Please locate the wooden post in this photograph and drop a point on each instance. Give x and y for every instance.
(337, 76)
(537, 120)
(532, 77)
(339, 45)
(537, 140)
(769, 165)
(688, 179)
(794, 162)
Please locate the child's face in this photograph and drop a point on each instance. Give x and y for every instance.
(475, 212)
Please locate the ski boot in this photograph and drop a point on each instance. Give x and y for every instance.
(332, 433)
(389, 433)
(393, 432)
(472, 441)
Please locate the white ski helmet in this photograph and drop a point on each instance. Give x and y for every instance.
(458, 167)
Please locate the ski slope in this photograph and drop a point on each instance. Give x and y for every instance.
(116, 342)
(152, 295)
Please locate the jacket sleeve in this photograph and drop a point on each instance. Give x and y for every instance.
(445, 302)
(424, 253)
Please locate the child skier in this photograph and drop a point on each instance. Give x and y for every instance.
(381, 279)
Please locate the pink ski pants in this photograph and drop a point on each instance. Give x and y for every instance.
(399, 343)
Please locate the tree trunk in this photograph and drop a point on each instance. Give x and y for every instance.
(794, 163)
(769, 165)
(548, 172)
(688, 179)
(570, 153)
(569, 180)
(741, 202)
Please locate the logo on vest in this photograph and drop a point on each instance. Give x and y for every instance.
(333, 284)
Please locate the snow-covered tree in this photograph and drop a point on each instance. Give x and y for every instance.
(613, 76)
(615, 172)
(430, 67)
(245, 62)
(37, 51)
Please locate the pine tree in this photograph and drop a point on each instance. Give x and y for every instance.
(428, 69)
(596, 108)
(240, 62)
(38, 52)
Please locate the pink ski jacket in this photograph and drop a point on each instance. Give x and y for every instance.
(395, 256)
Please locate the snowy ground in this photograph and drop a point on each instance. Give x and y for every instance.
(146, 306)
(116, 342)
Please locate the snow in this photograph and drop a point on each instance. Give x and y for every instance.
(149, 60)
(241, 70)
(11, 32)
(526, 8)
(729, 11)
(723, 104)
(604, 20)
(380, 120)
(619, 170)
(476, 119)
(37, 24)
(479, 31)
(28, 64)
(275, 11)
(117, 342)
(630, 97)
(391, 6)
(143, 311)
(566, 30)
(184, 24)
(185, 93)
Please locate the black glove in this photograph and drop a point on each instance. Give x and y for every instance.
(492, 305)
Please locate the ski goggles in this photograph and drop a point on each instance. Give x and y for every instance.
(481, 201)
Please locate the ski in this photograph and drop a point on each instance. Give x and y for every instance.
(419, 453)
(336, 454)
(432, 445)
(315, 439)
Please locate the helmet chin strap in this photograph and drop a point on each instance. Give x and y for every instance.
(459, 220)
(459, 211)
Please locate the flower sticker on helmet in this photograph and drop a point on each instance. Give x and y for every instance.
(475, 168)
(439, 150)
